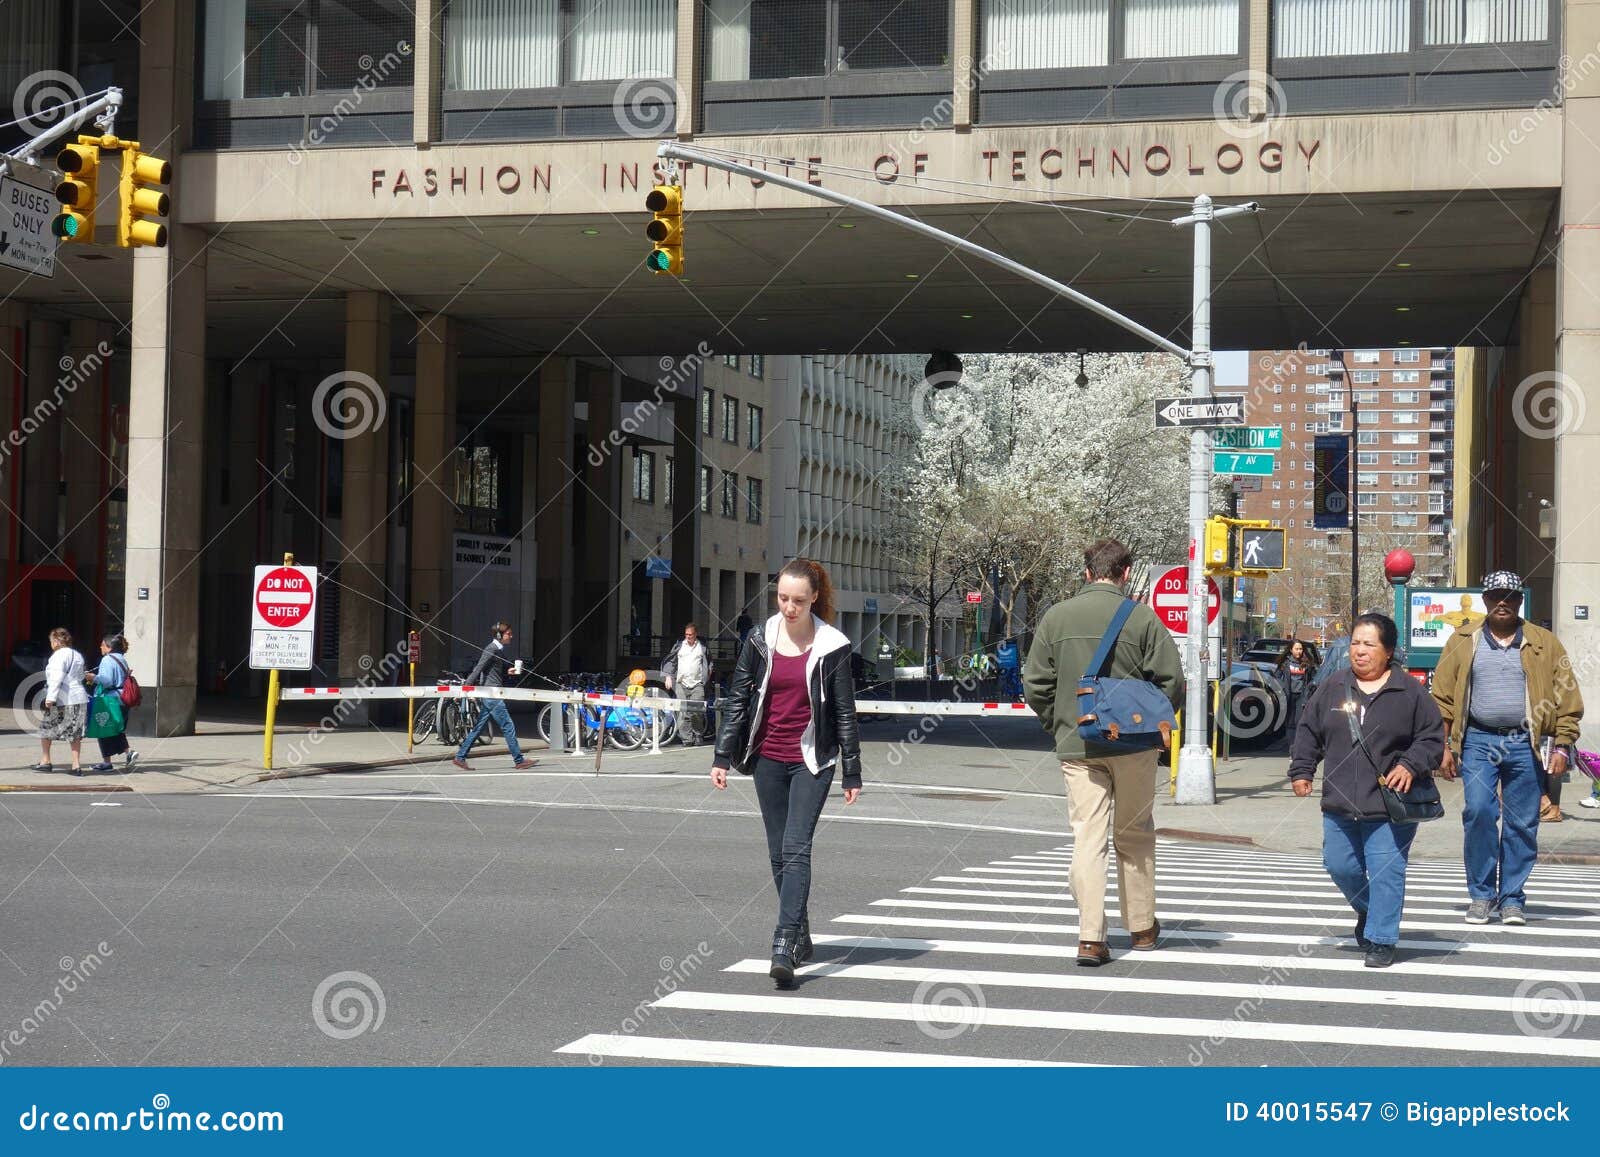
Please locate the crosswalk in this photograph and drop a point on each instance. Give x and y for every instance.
(1256, 966)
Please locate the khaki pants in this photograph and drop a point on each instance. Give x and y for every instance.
(1112, 800)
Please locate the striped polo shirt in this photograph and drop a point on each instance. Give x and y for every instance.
(1499, 687)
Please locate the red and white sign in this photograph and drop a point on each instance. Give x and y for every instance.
(974, 596)
(1169, 598)
(283, 618)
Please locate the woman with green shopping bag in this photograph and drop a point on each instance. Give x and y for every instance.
(107, 715)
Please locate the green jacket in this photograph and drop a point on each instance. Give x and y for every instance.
(1065, 642)
(1554, 704)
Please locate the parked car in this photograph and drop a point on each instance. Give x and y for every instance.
(1268, 653)
(1336, 659)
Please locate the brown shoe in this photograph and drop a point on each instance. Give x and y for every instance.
(1093, 953)
(1549, 813)
(1146, 941)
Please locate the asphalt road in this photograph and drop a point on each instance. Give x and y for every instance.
(557, 919)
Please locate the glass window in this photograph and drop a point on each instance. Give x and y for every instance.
(644, 475)
(668, 478)
(1367, 438)
(1046, 34)
(1407, 356)
(705, 490)
(617, 39)
(1402, 377)
(1407, 397)
(1154, 29)
(758, 365)
(893, 34)
(753, 421)
(1364, 357)
(1367, 397)
(254, 48)
(1364, 378)
(707, 411)
(731, 361)
(1363, 499)
(1367, 458)
(1485, 21)
(766, 39)
(1404, 519)
(1407, 439)
(730, 494)
(365, 43)
(499, 44)
(1343, 28)
(730, 418)
(1277, 407)
(1405, 479)
(752, 499)
(1366, 480)
(1405, 418)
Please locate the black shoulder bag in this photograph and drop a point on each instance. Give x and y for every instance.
(1420, 803)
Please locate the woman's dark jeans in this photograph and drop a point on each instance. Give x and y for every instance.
(791, 801)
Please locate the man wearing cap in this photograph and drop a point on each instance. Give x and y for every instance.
(1509, 698)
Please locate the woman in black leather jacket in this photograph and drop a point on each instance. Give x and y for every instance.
(789, 719)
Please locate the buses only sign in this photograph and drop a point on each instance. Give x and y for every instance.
(283, 618)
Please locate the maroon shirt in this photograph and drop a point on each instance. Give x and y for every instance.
(788, 710)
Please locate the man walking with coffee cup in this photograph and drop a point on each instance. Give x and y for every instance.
(490, 672)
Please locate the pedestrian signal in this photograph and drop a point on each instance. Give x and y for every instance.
(80, 174)
(665, 230)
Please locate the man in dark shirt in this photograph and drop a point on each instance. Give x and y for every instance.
(490, 672)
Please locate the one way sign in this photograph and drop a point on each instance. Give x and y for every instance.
(1194, 412)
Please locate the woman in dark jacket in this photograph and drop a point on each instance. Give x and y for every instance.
(1402, 739)
(789, 719)
(1294, 673)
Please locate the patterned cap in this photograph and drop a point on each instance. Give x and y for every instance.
(1502, 580)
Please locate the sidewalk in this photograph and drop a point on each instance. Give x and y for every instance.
(1006, 758)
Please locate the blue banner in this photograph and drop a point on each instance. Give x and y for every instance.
(664, 1111)
(1330, 495)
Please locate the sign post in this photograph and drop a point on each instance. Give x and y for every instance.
(283, 625)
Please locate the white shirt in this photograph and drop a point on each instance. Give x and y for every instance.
(64, 678)
(692, 663)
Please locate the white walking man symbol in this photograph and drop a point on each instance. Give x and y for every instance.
(1252, 551)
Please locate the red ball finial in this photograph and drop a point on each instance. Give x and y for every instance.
(1399, 566)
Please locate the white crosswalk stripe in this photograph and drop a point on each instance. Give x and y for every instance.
(1256, 965)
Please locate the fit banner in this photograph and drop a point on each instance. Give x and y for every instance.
(1330, 497)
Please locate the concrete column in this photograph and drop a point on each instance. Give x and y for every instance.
(13, 390)
(1258, 52)
(427, 63)
(964, 62)
(166, 410)
(1535, 459)
(552, 633)
(603, 495)
(1577, 333)
(41, 483)
(364, 514)
(433, 480)
(689, 73)
(680, 599)
(86, 463)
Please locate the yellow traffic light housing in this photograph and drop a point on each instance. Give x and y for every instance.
(80, 175)
(140, 199)
(665, 230)
(1218, 544)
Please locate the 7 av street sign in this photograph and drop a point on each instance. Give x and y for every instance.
(1199, 412)
(1227, 462)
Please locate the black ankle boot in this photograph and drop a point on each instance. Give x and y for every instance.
(784, 945)
(804, 950)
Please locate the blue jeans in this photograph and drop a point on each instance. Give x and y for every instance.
(791, 800)
(1367, 859)
(1499, 856)
(494, 710)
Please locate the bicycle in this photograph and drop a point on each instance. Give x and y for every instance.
(627, 728)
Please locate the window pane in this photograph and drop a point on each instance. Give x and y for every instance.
(1168, 28)
(1046, 33)
(894, 34)
(502, 44)
(366, 42)
(614, 39)
(1340, 27)
(254, 48)
(765, 39)
(1485, 21)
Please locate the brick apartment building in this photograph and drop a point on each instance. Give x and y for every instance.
(1399, 404)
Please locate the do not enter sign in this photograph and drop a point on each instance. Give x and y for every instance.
(1169, 597)
(284, 597)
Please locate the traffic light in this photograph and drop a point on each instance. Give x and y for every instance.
(1219, 539)
(80, 174)
(139, 199)
(665, 230)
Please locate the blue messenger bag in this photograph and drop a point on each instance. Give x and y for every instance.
(1128, 713)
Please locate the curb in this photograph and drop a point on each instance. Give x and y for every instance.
(65, 787)
(1207, 837)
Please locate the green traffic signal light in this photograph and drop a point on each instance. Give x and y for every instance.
(65, 225)
(659, 261)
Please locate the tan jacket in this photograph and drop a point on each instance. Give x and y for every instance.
(1554, 705)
